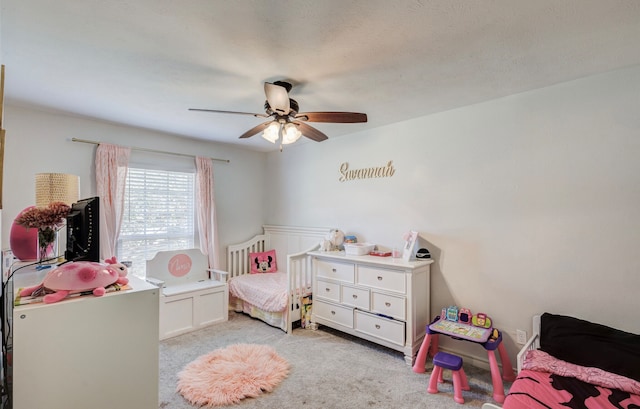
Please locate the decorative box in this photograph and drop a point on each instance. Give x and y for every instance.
(358, 249)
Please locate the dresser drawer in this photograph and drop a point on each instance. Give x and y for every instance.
(335, 313)
(328, 291)
(335, 271)
(388, 280)
(355, 297)
(389, 305)
(379, 327)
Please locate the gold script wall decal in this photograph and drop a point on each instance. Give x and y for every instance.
(366, 173)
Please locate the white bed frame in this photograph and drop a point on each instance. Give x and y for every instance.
(532, 343)
(291, 244)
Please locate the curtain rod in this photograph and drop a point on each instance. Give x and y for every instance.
(150, 150)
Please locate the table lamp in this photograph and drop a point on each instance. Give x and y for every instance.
(57, 187)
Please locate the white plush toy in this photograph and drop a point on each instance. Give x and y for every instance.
(333, 241)
(325, 245)
(336, 238)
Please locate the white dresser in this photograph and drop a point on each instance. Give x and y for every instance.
(381, 299)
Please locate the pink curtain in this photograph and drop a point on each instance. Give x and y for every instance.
(112, 162)
(206, 211)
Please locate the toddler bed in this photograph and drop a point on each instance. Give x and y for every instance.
(275, 288)
(573, 363)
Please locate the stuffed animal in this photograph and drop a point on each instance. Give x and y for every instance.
(79, 276)
(332, 241)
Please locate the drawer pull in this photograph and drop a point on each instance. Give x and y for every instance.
(327, 289)
(333, 269)
(333, 312)
(355, 296)
(388, 304)
(377, 326)
(379, 278)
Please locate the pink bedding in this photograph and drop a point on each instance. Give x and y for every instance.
(267, 291)
(547, 382)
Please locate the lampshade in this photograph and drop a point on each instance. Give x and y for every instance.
(57, 187)
(290, 134)
(272, 132)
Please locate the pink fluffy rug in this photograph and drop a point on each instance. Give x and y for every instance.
(226, 376)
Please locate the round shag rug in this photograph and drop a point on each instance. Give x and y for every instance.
(228, 375)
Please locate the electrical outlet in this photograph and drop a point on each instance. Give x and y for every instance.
(521, 336)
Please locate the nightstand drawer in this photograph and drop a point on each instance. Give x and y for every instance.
(383, 279)
(355, 297)
(330, 312)
(379, 327)
(389, 305)
(335, 271)
(328, 291)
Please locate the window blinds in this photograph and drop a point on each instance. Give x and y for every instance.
(159, 214)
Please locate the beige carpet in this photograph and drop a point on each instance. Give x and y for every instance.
(328, 370)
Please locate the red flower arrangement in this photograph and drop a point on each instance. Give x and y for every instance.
(48, 220)
(52, 216)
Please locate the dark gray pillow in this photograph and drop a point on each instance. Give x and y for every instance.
(588, 344)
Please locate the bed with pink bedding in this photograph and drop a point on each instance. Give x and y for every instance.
(577, 364)
(267, 291)
(277, 296)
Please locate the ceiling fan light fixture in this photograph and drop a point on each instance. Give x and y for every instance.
(290, 134)
(272, 132)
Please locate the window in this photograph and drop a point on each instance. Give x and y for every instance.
(159, 214)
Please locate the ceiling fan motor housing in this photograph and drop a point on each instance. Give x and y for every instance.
(293, 106)
(284, 84)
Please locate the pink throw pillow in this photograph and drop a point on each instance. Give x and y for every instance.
(264, 262)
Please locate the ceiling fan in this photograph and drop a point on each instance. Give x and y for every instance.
(287, 123)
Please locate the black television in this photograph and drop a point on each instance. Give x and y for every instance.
(83, 231)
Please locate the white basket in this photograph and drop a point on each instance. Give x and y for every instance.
(358, 249)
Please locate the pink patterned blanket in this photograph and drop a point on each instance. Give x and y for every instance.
(267, 291)
(547, 382)
(540, 361)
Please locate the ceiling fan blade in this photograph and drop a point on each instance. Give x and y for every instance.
(229, 112)
(255, 130)
(310, 132)
(335, 117)
(277, 97)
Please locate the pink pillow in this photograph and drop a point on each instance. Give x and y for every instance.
(263, 262)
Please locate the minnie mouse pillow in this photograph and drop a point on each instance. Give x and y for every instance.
(264, 262)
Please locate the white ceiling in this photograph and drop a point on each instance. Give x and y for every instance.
(145, 62)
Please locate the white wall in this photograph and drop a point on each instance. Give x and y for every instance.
(41, 142)
(529, 203)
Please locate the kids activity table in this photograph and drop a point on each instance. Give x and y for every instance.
(470, 333)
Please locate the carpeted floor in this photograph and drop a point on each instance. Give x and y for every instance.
(328, 370)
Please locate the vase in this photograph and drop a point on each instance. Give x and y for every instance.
(47, 244)
(23, 241)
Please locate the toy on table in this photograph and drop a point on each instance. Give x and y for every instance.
(494, 334)
(452, 313)
(79, 276)
(464, 316)
(481, 320)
